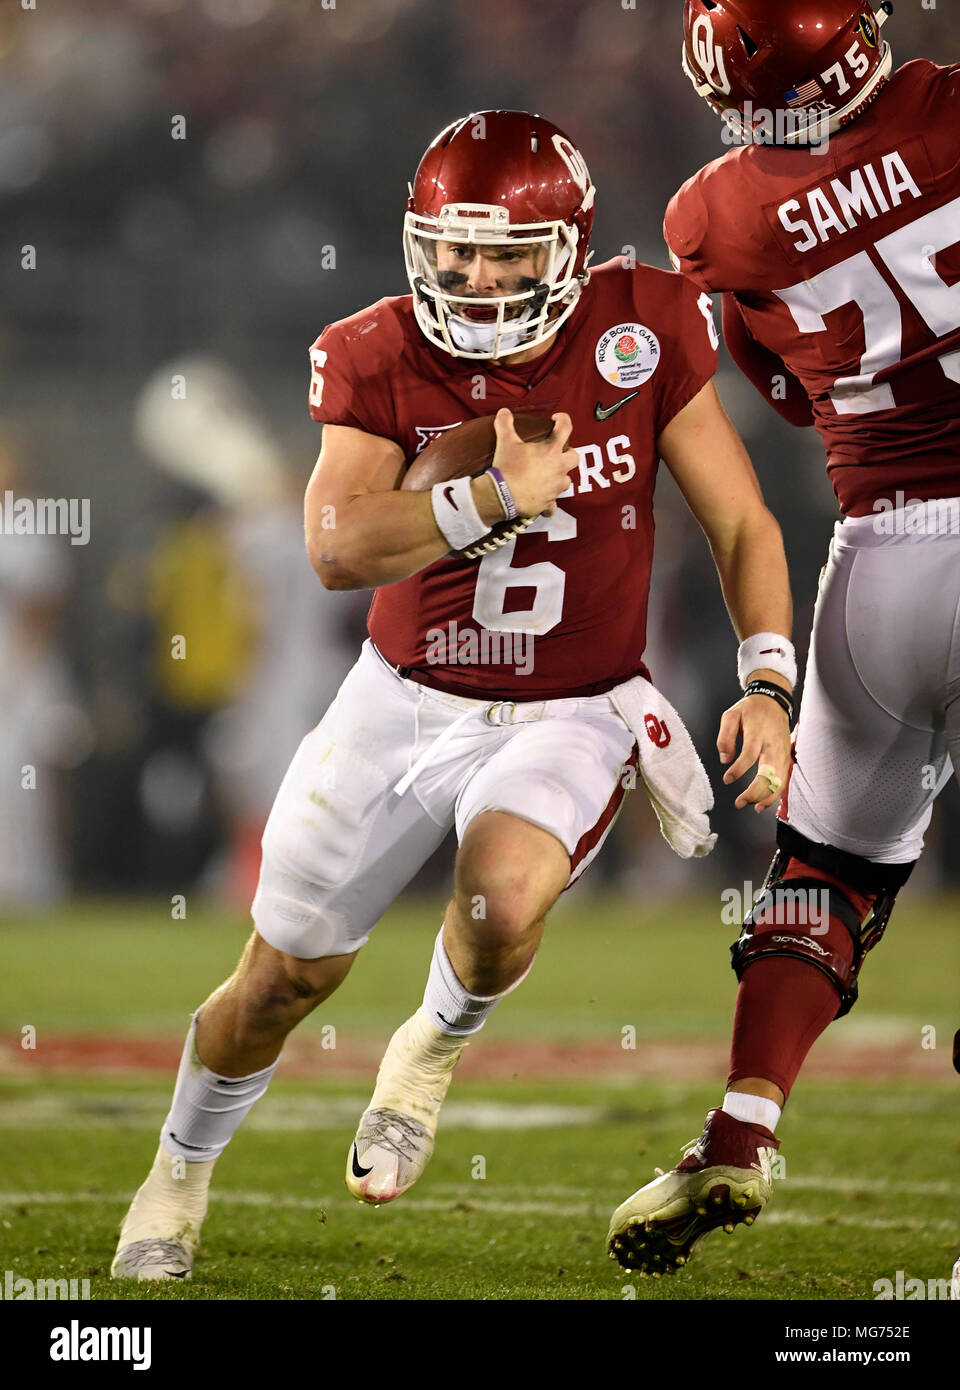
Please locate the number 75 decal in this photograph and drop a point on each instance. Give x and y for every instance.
(857, 61)
(909, 256)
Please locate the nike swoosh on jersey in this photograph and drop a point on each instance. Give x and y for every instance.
(603, 412)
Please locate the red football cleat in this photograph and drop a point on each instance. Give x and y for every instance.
(724, 1179)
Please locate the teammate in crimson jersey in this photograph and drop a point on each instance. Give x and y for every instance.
(529, 759)
(844, 266)
(838, 255)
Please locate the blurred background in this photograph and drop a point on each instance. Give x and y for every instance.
(193, 189)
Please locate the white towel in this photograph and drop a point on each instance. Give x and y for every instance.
(675, 778)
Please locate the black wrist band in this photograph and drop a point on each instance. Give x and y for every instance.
(783, 699)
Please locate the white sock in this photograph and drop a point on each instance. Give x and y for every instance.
(753, 1110)
(207, 1109)
(449, 1006)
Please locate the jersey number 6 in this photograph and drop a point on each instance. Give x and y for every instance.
(496, 576)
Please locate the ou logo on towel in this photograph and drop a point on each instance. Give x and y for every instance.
(657, 731)
(709, 54)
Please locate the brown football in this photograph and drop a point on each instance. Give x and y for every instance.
(466, 451)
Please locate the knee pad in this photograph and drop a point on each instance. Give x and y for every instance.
(295, 917)
(855, 893)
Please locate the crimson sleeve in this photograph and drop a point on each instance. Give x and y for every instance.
(332, 385)
(762, 367)
(689, 355)
(684, 231)
(343, 393)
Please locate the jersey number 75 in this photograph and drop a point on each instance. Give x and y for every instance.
(909, 256)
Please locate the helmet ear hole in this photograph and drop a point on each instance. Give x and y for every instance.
(751, 48)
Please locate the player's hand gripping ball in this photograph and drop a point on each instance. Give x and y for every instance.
(466, 451)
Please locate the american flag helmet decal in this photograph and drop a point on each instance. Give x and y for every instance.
(804, 95)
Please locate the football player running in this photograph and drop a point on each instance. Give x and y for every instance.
(838, 254)
(526, 753)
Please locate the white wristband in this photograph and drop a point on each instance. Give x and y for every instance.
(766, 651)
(455, 512)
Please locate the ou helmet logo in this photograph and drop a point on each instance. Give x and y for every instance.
(657, 731)
(575, 162)
(709, 55)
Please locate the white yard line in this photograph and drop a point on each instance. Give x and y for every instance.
(280, 1114)
(466, 1201)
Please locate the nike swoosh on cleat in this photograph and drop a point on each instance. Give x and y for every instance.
(355, 1168)
(603, 412)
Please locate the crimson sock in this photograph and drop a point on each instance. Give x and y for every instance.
(784, 1005)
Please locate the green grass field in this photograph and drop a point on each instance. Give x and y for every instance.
(516, 1200)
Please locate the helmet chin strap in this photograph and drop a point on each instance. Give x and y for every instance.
(470, 336)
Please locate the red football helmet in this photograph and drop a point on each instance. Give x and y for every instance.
(498, 179)
(823, 61)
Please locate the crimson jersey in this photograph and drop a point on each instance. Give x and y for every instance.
(845, 263)
(562, 608)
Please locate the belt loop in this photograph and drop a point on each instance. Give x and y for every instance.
(501, 706)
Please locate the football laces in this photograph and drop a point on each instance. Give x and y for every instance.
(492, 543)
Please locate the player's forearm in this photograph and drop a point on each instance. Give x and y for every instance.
(767, 372)
(756, 585)
(381, 537)
(377, 538)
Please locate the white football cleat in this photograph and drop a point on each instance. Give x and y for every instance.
(162, 1228)
(395, 1136)
(955, 1283)
(152, 1259)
